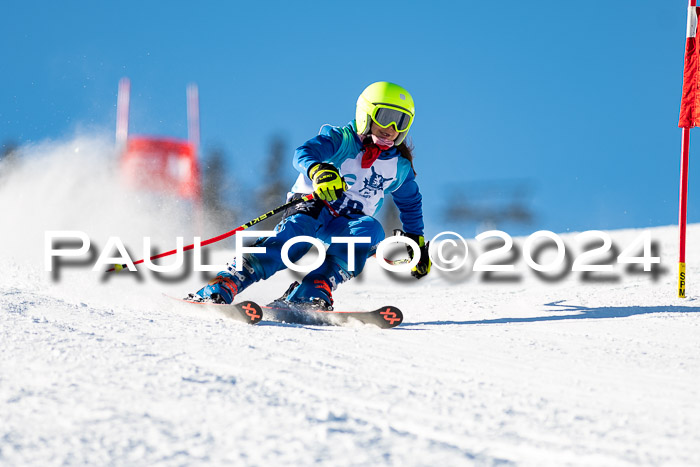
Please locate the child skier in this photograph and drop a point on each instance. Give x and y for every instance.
(349, 169)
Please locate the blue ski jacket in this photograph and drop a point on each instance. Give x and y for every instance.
(390, 173)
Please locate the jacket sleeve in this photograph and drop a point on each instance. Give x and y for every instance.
(318, 149)
(410, 203)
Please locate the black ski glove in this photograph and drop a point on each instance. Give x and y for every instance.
(423, 267)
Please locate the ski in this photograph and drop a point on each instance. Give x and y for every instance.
(247, 311)
(250, 312)
(384, 317)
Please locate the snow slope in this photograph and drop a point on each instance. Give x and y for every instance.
(104, 370)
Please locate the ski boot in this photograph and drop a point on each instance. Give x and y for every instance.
(221, 290)
(314, 294)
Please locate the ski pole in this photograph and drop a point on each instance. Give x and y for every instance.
(228, 234)
(396, 262)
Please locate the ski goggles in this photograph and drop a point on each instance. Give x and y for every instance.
(385, 116)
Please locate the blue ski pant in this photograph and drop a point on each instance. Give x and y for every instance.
(335, 269)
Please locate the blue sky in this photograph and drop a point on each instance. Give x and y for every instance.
(579, 101)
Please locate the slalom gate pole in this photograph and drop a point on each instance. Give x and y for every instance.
(228, 234)
(683, 204)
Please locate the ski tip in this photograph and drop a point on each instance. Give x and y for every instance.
(252, 311)
(391, 315)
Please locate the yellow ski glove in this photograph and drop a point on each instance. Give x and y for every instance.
(327, 182)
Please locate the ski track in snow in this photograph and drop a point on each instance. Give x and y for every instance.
(109, 372)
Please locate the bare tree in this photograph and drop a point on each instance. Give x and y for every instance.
(216, 183)
(491, 204)
(274, 191)
(8, 158)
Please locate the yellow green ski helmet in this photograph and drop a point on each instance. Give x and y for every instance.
(386, 104)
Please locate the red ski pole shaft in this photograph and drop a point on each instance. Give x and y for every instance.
(228, 234)
(682, 209)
